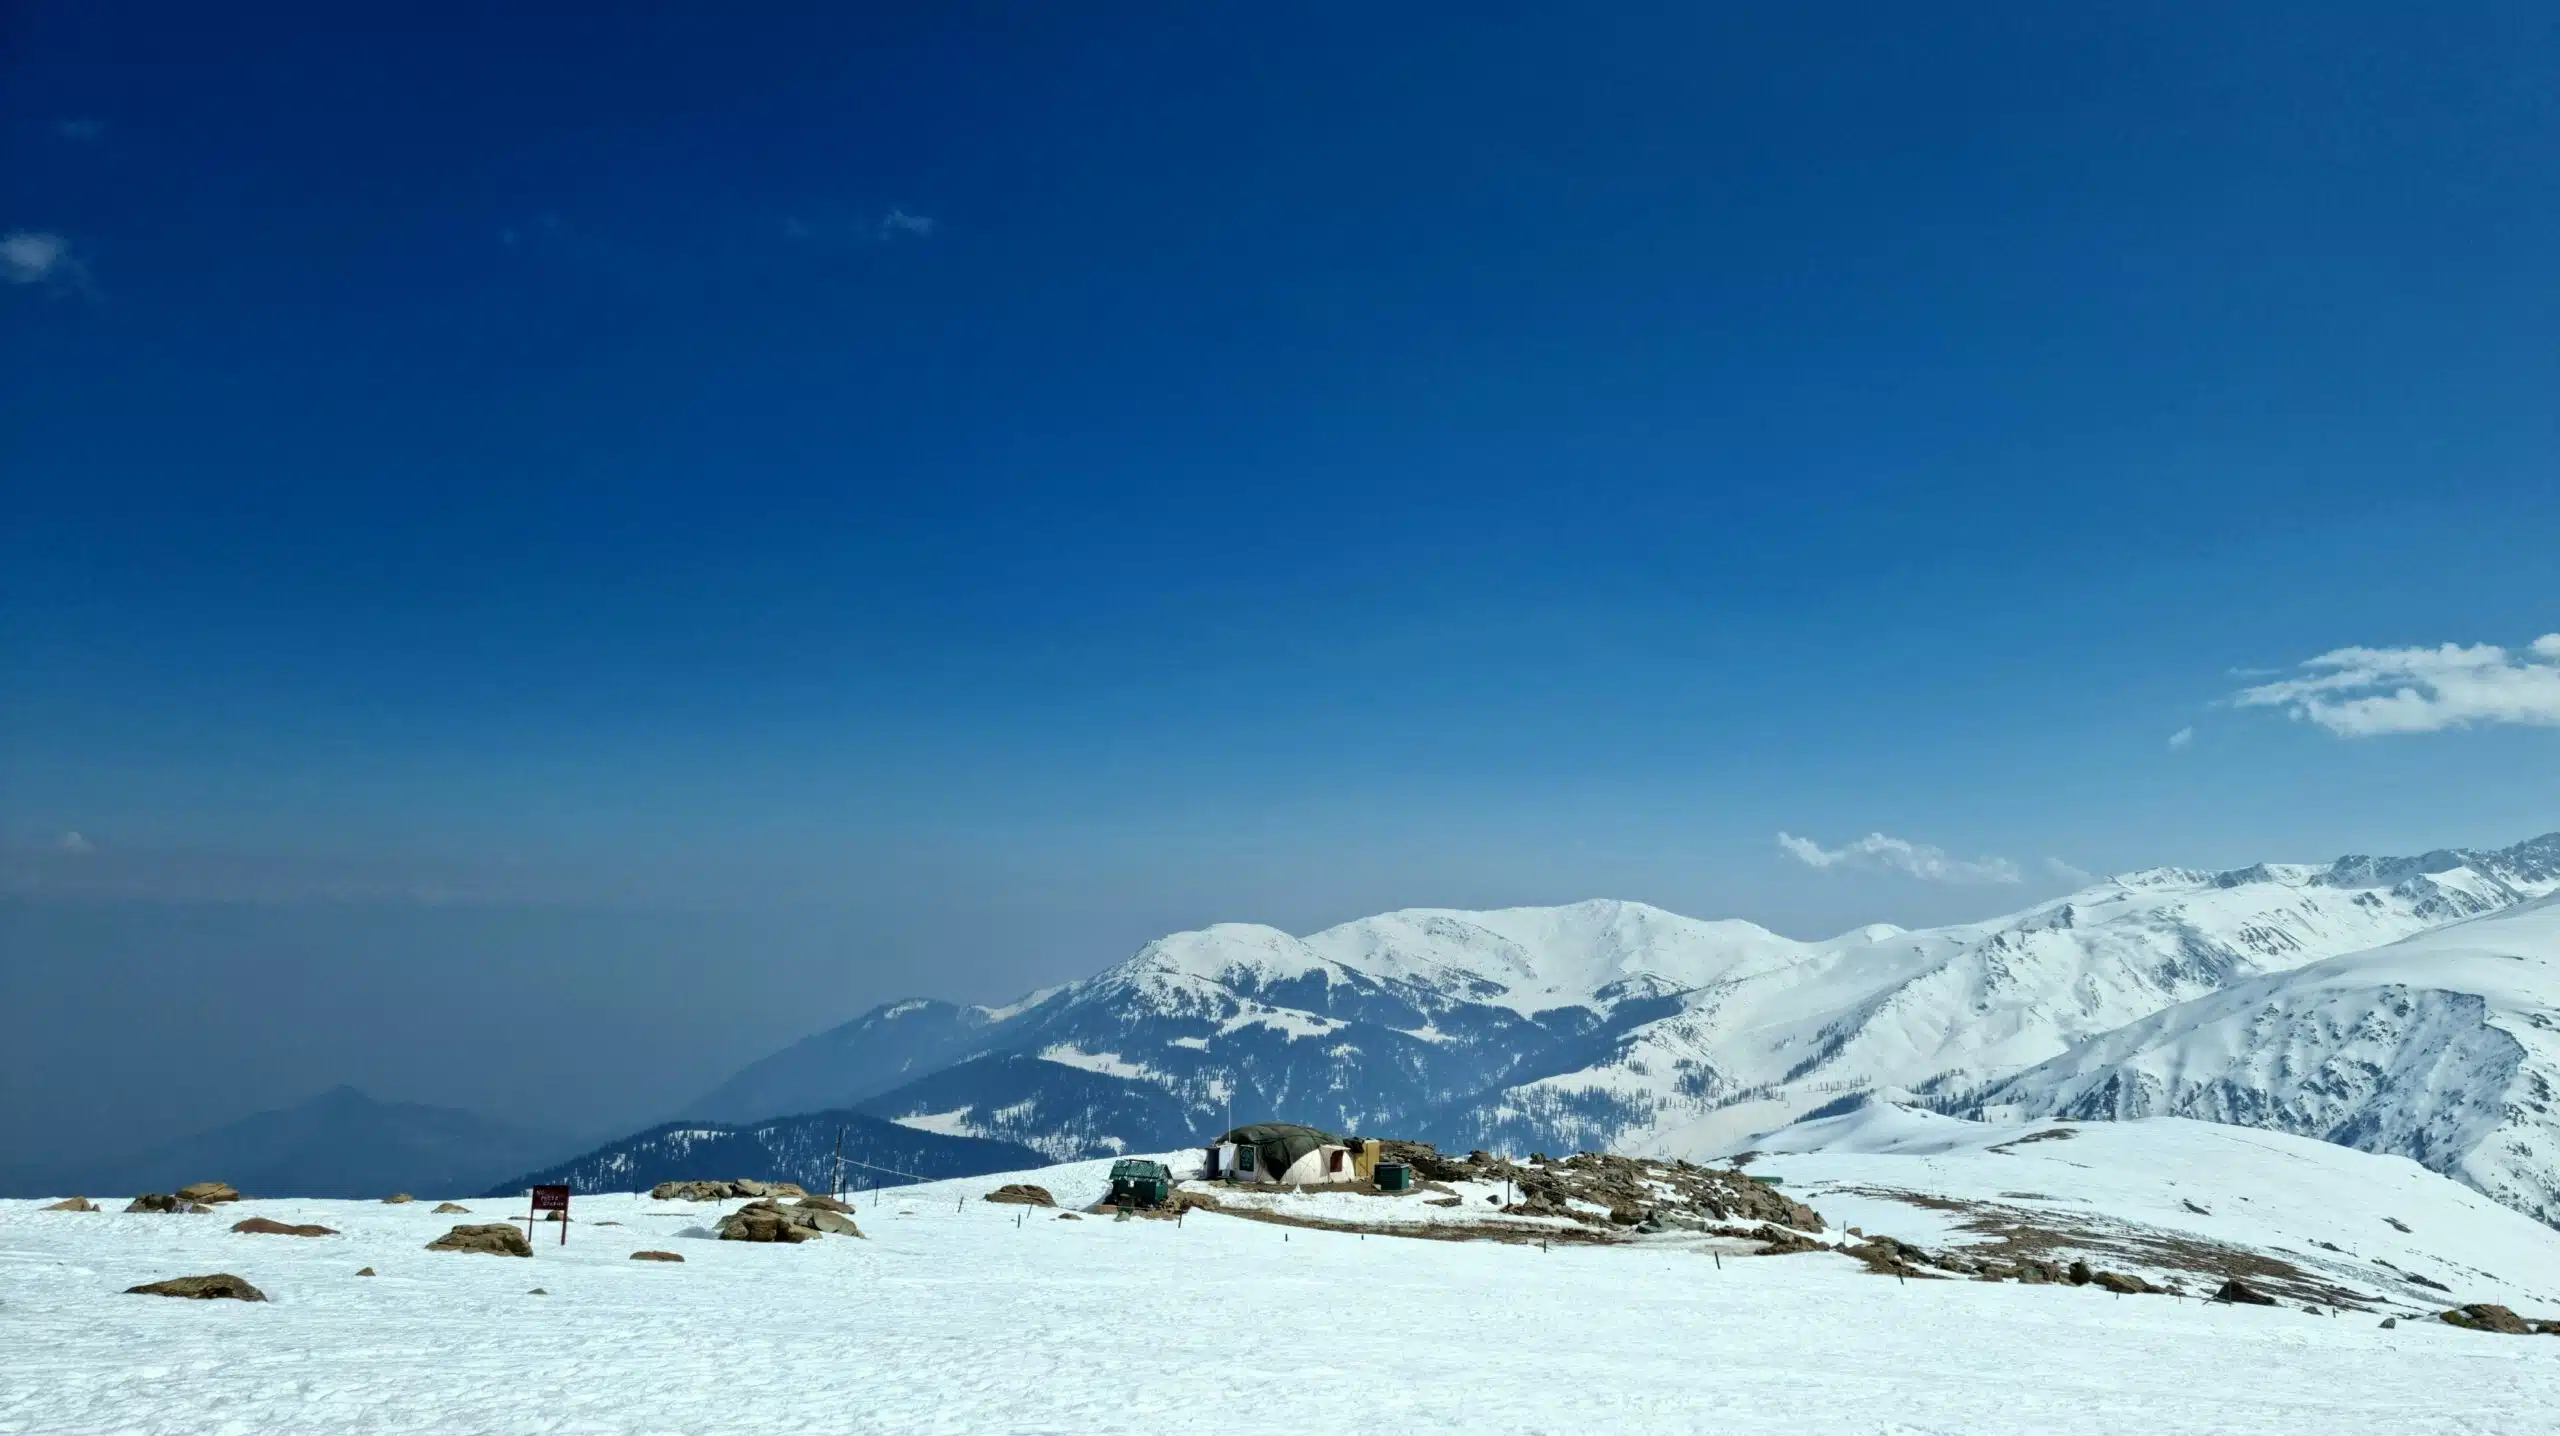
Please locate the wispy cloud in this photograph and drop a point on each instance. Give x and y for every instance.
(36, 256)
(2078, 877)
(2182, 737)
(2365, 692)
(74, 843)
(898, 221)
(1878, 853)
(84, 130)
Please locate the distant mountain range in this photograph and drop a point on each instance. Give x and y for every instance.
(341, 1143)
(2401, 1005)
(1610, 1024)
(803, 1149)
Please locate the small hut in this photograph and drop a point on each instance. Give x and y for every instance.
(1287, 1154)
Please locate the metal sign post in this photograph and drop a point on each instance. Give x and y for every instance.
(549, 1199)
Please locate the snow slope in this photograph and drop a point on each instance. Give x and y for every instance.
(2444, 1047)
(2146, 1193)
(955, 1315)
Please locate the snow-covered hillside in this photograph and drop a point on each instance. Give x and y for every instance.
(1603, 1024)
(952, 1314)
(2444, 1047)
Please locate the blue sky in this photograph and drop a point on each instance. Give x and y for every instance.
(959, 491)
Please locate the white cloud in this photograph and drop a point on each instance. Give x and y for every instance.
(1876, 851)
(29, 256)
(2076, 876)
(898, 221)
(74, 843)
(2182, 737)
(2362, 692)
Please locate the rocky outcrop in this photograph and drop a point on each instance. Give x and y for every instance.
(206, 1194)
(262, 1226)
(1023, 1194)
(718, 1191)
(1625, 1191)
(219, 1286)
(451, 1208)
(73, 1204)
(398, 1199)
(2488, 1316)
(495, 1238)
(2241, 1293)
(164, 1202)
(770, 1221)
(655, 1256)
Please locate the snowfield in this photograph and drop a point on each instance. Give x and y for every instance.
(957, 1315)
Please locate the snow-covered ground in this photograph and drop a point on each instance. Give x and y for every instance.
(956, 1315)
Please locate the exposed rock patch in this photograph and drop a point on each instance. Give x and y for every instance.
(655, 1256)
(206, 1194)
(2488, 1316)
(1023, 1194)
(364, 1271)
(73, 1204)
(2241, 1293)
(444, 1208)
(397, 1199)
(495, 1238)
(163, 1202)
(770, 1221)
(262, 1226)
(719, 1191)
(219, 1286)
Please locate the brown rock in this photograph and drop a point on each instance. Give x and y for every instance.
(161, 1202)
(2488, 1316)
(444, 1208)
(2241, 1293)
(364, 1271)
(495, 1238)
(719, 1191)
(222, 1285)
(822, 1203)
(205, 1194)
(2121, 1284)
(1023, 1194)
(261, 1226)
(655, 1256)
(2079, 1273)
(770, 1221)
(539, 1291)
(1778, 1242)
(397, 1199)
(1069, 1217)
(73, 1204)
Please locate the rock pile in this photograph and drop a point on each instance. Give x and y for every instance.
(261, 1226)
(495, 1238)
(444, 1208)
(397, 1199)
(1627, 1192)
(2488, 1316)
(770, 1221)
(163, 1202)
(716, 1191)
(73, 1204)
(206, 1194)
(1023, 1194)
(655, 1256)
(221, 1285)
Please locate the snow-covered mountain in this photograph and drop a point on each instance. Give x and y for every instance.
(1601, 1024)
(2444, 1047)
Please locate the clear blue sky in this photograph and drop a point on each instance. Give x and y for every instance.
(953, 491)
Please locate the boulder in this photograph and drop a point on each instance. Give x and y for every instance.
(770, 1221)
(364, 1271)
(1023, 1194)
(261, 1226)
(205, 1194)
(73, 1204)
(445, 1208)
(162, 1202)
(2079, 1273)
(495, 1238)
(2488, 1316)
(1069, 1217)
(220, 1285)
(397, 1199)
(2241, 1293)
(823, 1203)
(2121, 1284)
(655, 1256)
(1779, 1242)
(2389, 1322)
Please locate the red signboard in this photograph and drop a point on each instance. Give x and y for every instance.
(555, 1200)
